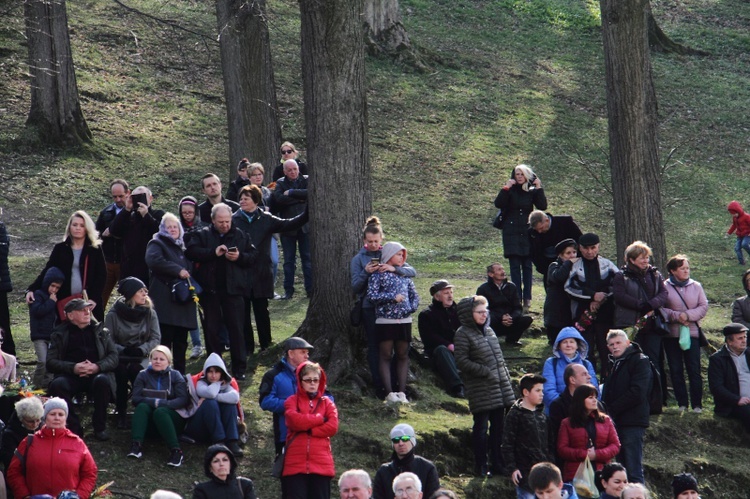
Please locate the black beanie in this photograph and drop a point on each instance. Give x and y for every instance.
(129, 287)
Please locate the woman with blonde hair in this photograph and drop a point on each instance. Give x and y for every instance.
(158, 392)
(517, 199)
(288, 151)
(79, 256)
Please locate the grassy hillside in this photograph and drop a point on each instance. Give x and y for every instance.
(509, 81)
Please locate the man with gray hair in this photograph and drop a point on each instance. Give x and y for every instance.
(407, 484)
(355, 484)
(545, 231)
(290, 199)
(225, 254)
(135, 225)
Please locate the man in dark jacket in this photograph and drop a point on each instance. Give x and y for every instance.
(290, 199)
(403, 459)
(437, 327)
(506, 312)
(135, 225)
(211, 187)
(83, 358)
(545, 232)
(223, 254)
(6, 287)
(112, 246)
(729, 376)
(625, 395)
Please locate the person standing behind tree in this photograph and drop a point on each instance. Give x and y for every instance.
(518, 197)
(288, 151)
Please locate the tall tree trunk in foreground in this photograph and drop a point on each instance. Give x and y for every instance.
(339, 194)
(384, 30)
(249, 88)
(632, 114)
(55, 108)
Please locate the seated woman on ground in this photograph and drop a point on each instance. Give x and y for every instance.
(220, 466)
(569, 348)
(214, 408)
(158, 392)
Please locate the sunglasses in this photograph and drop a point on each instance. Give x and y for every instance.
(311, 380)
(286, 151)
(403, 438)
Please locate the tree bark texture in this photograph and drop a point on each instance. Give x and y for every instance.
(340, 191)
(385, 32)
(55, 108)
(249, 89)
(632, 115)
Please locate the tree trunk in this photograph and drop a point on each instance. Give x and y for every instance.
(340, 198)
(55, 109)
(385, 33)
(660, 42)
(249, 88)
(632, 115)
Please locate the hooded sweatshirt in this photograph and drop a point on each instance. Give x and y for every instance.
(741, 224)
(43, 310)
(554, 367)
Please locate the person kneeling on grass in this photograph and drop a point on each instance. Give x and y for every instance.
(214, 407)
(158, 392)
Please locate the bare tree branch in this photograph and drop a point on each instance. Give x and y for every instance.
(168, 22)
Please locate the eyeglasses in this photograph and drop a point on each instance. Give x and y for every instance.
(402, 438)
(408, 491)
(286, 151)
(313, 381)
(481, 312)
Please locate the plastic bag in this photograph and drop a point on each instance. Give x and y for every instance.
(684, 337)
(584, 481)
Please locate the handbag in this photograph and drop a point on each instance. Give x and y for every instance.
(498, 221)
(278, 463)
(181, 292)
(661, 327)
(64, 301)
(355, 315)
(584, 480)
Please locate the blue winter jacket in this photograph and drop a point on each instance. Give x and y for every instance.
(554, 367)
(43, 310)
(360, 277)
(284, 384)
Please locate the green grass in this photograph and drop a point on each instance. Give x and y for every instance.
(508, 81)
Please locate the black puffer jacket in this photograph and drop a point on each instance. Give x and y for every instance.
(557, 311)
(480, 359)
(5, 284)
(526, 440)
(517, 204)
(423, 468)
(626, 390)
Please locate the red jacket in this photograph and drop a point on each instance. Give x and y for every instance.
(312, 423)
(741, 224)
(572, 446)
(57, 460)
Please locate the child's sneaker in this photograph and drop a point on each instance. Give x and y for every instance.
(175, 458)
(135, 450)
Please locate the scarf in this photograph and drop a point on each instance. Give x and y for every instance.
(676, 283)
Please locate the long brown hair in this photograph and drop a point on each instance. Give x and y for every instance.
(578, 414)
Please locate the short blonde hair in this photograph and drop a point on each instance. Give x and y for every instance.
(163, 349)
(636, 249)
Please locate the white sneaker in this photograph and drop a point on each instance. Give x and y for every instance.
(697, 410)
(402, 398)
(196, 352)
(682, 408)
(392, 398)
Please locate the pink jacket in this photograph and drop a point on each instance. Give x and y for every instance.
(697, 306)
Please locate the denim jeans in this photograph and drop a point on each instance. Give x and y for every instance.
(213, 421)
(631, 451)
(692, 360)
(289, 246)
(742, 243)
(517, 265)
(274, 258)
(195, 337)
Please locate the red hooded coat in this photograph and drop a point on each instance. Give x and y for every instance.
(311, 422)
(741, 224)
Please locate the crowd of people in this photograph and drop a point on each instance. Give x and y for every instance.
(590, 404)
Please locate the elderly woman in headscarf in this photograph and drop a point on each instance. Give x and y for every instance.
(165, 257)
(220, 465)
(517, 199)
